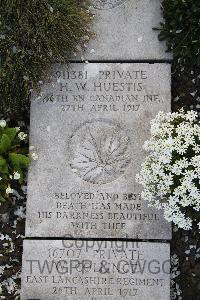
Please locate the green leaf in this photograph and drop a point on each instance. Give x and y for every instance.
(11, 133)
(2, 199)
(19, 160)
(1, 131)
(21, 180)
(5, 144)
(3, 166)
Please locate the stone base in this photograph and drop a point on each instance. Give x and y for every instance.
(82, 269)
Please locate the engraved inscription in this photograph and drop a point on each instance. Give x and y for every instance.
(106, 4)
(95, 270)
(100, 151)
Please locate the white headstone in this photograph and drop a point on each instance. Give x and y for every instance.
(88, 126)
(100, 270)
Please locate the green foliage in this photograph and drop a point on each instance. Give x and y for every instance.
(33, 34)
(181, 29)
(14, 159)
(186, 87)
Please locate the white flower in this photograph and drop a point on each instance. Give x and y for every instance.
(34, 156)
(20, 212)
(171, 171)
(51, 9)
(191, 115)
(25, 77)
(22, 136)
(16, 176)
(17, 129)
(9, 190)
(2, 123)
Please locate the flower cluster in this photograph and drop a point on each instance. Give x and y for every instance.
(14, 158)
(170, 174)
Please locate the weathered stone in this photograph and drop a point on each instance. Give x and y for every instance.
(88, 126)
(55, 270)
(124, 31)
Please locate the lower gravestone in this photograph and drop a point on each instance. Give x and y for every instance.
(88, 126)
(94, 270)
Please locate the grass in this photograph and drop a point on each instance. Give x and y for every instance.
(33, 34)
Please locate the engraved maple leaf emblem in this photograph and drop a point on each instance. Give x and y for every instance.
(102, 154)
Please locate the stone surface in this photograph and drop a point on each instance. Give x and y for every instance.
(73, 269)
(124, 31)
(88, 126)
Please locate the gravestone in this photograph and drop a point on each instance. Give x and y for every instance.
(88, 126)
(112, 270)
(124, 31)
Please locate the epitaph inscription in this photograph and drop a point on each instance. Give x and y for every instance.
(100, 270)
(88, 126)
